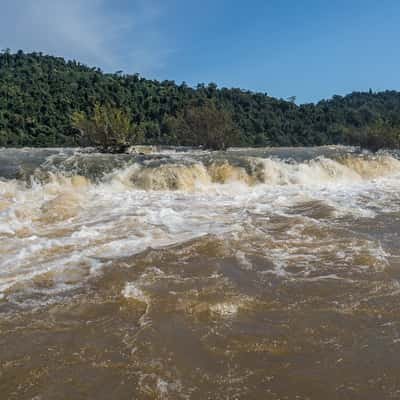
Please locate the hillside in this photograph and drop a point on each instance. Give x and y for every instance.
(39, 93)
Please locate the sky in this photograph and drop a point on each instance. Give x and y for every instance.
(311, 49)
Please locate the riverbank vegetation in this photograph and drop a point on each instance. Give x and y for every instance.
(48, 101)
(107, 127)
(203, 125)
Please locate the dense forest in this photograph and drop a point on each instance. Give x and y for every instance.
(39, 94)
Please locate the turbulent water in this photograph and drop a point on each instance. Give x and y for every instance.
(181, 274)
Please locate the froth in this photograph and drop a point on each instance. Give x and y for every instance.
(68, 223)
(171, 177)
(320, 171)
(132, 291)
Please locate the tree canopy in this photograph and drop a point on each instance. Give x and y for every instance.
(106, 126)
(203, 125)
(40, 93)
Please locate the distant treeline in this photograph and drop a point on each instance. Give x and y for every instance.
(40, 93)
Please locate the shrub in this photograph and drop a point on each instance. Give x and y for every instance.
(203, 125)
(107, 126)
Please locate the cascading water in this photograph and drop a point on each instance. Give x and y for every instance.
(190, 274)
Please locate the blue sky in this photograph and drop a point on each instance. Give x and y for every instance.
(305, 48)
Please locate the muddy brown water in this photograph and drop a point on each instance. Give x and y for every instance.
(251, 274)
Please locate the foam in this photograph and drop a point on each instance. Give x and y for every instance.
(66, 222)
(132, 291)
(226, 309)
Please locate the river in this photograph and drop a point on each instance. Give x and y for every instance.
(185, 274)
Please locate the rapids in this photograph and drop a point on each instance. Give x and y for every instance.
(251, 273)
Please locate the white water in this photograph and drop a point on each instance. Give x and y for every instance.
(56, 235)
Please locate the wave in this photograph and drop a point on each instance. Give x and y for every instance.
(320, 171)
(60, 225)
(191, 175)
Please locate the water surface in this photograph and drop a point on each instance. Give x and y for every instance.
(247, 274)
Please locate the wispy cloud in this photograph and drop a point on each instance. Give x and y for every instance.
(112, 35)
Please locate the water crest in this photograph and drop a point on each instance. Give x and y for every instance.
(190, 274)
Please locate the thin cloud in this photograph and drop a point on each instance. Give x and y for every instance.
(96, 32)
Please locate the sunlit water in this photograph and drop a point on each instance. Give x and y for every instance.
(249, 274)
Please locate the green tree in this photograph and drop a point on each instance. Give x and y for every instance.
(378, 135)
(204, 125)
(38, 94)
(107, 126)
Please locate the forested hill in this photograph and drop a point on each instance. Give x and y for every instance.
(39, 93)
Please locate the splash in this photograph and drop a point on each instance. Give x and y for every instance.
(171, 177)
(320, 171)
(190, 274)
(63, 223)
